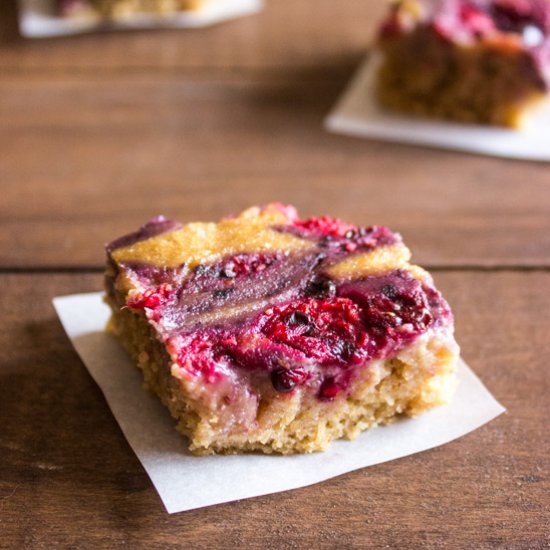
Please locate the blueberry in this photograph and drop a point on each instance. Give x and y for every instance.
(320, 287)
(285, 380)
(223, 293)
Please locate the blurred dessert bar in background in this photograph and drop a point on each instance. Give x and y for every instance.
(122, 8)
(46, 18)
(477, 61)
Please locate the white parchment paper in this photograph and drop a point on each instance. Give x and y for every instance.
(37, 18)
(358, 114)
(184, 481)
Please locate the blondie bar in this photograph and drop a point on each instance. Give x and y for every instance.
(266, 332)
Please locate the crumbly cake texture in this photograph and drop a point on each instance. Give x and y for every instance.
(476, 61)
(121, 9)
(266, 332)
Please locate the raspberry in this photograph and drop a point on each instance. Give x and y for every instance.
(150, 298)
(325, 226)
(327, 330)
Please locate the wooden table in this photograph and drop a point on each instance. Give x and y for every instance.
(100, 132)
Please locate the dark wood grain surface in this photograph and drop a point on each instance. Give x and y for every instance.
(100, 132)
(68, 477)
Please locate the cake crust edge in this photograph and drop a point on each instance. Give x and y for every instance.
(419, 378)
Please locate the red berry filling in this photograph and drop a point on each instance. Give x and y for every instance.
(329, 389)
(341, 237)
(150, 298)
(317, 333)
(328, 331)
(516, 15)
(318, 342)
(475, 20)
(238, 266)
(200, 354)
(324, 226)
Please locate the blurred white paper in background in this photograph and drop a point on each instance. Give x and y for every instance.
(37, 18)
(358, 114)
(185, 482)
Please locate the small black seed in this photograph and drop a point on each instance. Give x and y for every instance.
(320, 287)
(297, 318)
(389, 290)
(223, 293)
(320, 258)
(329, 241)
(348, 349)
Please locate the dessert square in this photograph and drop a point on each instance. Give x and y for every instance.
(476, 61)
(266, 332)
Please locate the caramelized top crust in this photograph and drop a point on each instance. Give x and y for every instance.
(348, 252)
(380, 260)
(254, 231)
